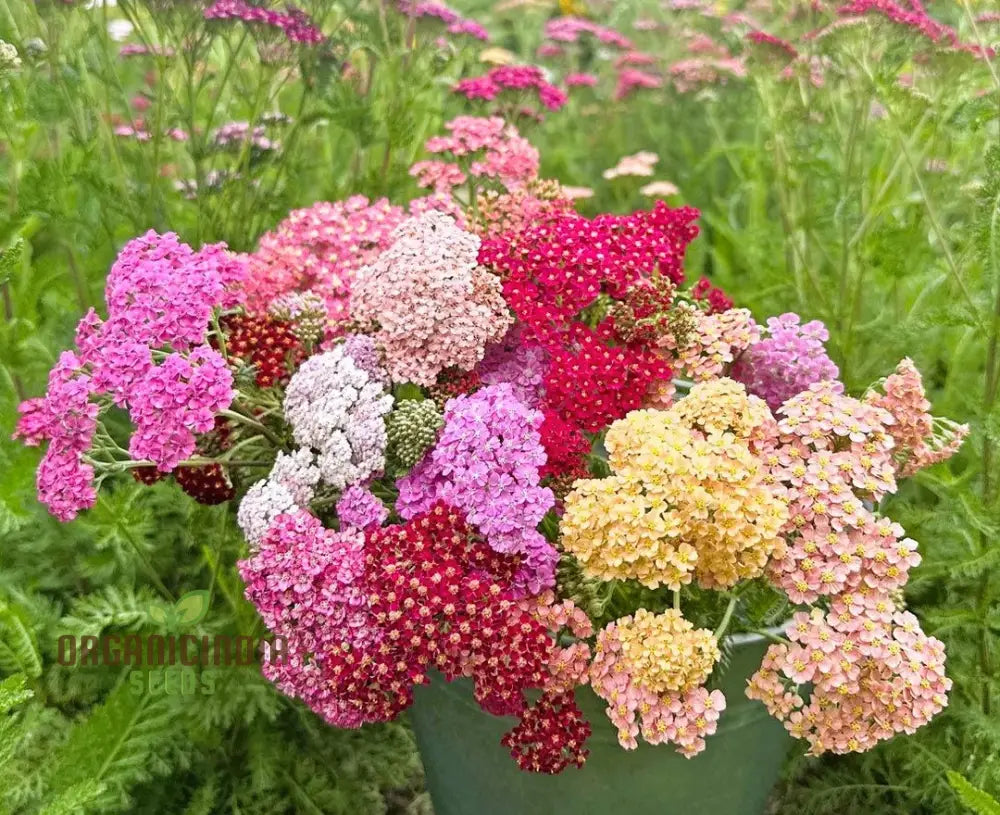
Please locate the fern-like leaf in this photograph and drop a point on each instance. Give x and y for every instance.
(979, 801)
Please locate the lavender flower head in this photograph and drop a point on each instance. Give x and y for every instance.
(486, 464)
(790, 359)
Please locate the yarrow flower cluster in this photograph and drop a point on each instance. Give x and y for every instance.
(161, 295)
(455, 22)
(486, 464)
(430, 304)
(687, 498)
(482, 466)
(483, 148)
(788, 360)
(650, 669)
(516, 78)
(319, 249)
(294, 24)
(334, 407)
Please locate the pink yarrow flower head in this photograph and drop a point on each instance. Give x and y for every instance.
(307, 582)
(512, 80)
(161, 295)
(485, 148)
(486, 463)
(580, 80)
(873, 674)
(911, 14)
(455, 23)
(631, 79)
(319, 249)
(571, 29)
(427, 302)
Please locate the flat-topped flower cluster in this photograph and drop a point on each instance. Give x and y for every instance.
(490, 438)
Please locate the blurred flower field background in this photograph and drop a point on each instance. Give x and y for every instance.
(844, 156)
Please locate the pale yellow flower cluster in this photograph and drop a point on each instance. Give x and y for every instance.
(664, 652)
(687, 498)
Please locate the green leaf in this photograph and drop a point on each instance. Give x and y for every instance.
(980, 802)
(76, 799)
(14, 691)
(10, 258)
(18, 650)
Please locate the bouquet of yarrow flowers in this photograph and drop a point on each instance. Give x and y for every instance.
(487, 437)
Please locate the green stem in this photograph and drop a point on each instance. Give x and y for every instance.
(724, 625)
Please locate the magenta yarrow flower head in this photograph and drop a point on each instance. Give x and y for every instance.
(295, 24)
(455, 22)
(486, 463)
(914, 16)
(517, 363)
(512, 78)
(790, 358)
(359, 507)
(429, 303)
(161, 295)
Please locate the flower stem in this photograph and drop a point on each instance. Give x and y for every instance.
(721, 630)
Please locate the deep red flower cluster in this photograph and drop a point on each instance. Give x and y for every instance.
(715, 297)
(267, 343)
(551, 735)
(208, 483)
(566, 448)
(556, 269)
(441, 599)
(591, 383)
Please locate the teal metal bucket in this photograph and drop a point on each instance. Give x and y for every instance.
(468, 772)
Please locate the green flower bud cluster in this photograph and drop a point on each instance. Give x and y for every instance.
(411, 428)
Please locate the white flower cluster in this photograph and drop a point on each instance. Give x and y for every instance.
(9, 60)
(337, 409)
(289, 487)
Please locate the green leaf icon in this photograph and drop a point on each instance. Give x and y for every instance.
(192, 607)
(157, 614)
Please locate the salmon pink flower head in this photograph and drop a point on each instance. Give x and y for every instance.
(872, 675)
(650, 669)
(428, 304)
